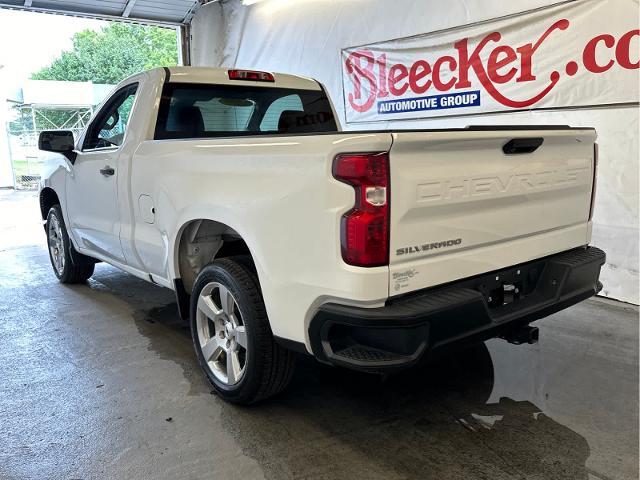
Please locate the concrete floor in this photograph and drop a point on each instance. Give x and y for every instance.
(100, 381)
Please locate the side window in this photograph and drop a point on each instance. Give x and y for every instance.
(273, 114)
(109, 127)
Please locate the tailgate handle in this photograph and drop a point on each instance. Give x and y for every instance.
(517, 146)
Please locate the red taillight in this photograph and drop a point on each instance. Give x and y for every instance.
(364, 230)
(595, 180)
(251, 75)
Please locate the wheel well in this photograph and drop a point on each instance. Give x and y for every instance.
(202, 241)
(48, 198)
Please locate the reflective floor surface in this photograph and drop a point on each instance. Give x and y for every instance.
(100, 381)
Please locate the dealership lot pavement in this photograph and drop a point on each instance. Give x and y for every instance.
(100, 381)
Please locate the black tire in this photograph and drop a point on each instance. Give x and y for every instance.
(76, 268)
(268, 367)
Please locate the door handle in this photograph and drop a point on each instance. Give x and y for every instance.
(107, 171)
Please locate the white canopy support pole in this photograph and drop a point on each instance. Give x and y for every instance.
(127, 9)
(184, 44)
(6, 167)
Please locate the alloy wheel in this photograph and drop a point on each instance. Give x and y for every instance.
(221, 333)
(56, 244)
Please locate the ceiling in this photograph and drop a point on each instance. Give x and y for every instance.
(146, 11)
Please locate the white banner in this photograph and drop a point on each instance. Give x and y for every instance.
(575, 54)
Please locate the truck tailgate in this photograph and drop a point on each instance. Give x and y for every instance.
(461, 206)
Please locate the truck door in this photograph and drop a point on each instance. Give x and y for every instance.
(92, 197)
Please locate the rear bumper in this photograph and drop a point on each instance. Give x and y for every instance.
(467, 311)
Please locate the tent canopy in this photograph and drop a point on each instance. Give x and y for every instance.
(170, 12)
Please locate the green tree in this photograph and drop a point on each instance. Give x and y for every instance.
(113, 53)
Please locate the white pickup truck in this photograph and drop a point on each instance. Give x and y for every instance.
(280, 233)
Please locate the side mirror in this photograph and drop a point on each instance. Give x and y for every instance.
(58, 141)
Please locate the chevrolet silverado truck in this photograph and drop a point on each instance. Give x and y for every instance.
(280, 233)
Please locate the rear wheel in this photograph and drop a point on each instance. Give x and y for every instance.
(232, 337)
(68, 265)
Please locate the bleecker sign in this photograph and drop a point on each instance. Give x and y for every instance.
(560, 56)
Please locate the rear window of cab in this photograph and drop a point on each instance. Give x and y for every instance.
(209, 111)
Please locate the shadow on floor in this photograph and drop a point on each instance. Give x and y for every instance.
(428, 422)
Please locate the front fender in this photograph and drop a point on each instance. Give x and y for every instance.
(55, 171)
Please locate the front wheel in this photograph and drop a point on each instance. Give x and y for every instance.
(68, 265)
(232, 336)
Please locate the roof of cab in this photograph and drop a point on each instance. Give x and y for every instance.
(220, 76)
